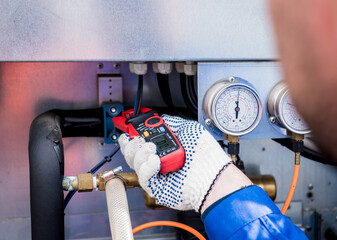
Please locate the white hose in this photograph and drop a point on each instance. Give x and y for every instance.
(119, 216)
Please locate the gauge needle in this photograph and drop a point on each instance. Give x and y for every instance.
(237, 109)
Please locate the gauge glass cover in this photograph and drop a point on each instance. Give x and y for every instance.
(237, 110)
(290, 117)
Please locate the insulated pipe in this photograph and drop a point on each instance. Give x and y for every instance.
(46, 165)
(118, 209)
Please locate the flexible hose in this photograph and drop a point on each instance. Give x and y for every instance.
(293, 184)
(170, 224)
(118, 209)
(92, 171)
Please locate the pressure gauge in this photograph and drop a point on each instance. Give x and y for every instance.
(283, 112)
(233, 106)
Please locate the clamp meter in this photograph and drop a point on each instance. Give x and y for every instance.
(149, 125)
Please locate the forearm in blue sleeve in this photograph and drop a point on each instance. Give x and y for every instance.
(248, 213)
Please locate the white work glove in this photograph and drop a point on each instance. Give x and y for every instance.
(186, 188)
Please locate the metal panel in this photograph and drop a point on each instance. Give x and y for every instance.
(47, 30)
(262, 75)
(27, 89)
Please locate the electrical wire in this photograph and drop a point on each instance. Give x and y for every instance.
(92, 171)
(293, 183)
(187, 95)
(164, 88)
(139, 96)
(191, 89)
(170, 224)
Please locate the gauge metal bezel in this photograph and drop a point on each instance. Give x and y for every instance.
(274, 108)
(213, 98)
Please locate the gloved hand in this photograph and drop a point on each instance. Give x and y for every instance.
(186, 188)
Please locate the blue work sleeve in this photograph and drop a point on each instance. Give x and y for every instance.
(248, 213)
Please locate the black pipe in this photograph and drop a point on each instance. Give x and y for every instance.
(307, 153)
(191, 89)
(186, 93)
(46, 165)
(164, 87)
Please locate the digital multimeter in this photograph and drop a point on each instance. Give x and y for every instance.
(149, 125)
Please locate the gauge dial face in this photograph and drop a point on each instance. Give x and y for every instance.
(237, 110)
(290, 117)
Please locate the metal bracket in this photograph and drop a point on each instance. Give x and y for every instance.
(110, 89)
(110, 111)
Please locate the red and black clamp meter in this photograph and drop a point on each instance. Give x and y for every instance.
(149, 125)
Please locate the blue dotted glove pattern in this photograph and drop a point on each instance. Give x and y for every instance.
(183, 189)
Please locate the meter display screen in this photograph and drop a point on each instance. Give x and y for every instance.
(162, 143)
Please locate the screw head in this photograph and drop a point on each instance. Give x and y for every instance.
(272, 119)
(310, 186)
(231, 79)
(114, 137)
(113, 109)
(100, 65)
(208, 121)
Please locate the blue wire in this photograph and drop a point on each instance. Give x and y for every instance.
(136, 102)
(92, 171)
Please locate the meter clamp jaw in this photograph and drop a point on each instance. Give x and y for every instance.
(150, 126)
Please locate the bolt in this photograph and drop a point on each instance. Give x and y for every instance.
(117, 169)
(231, 79)
(208, 121)
(272, 119)
(114, 137)
(308, 228)
(309, 195)
(113, 109)
(116, 65)
(100, 65)
(310, 186)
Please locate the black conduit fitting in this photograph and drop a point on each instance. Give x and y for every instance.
(307, 153)
(46, 165)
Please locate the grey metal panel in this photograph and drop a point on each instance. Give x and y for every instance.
(27, 89)
(262, 75)
(48, 30)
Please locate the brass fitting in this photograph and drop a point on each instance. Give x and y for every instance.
(232, 139)
(266, 182)
(85, 182)
(295, 136)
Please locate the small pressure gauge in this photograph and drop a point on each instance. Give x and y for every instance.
(282, 111)
(233, 106)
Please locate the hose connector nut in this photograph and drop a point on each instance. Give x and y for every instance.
(111, 173)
